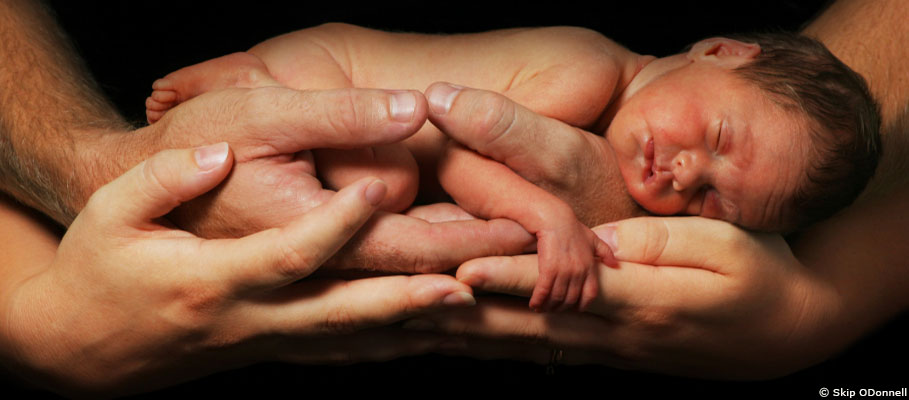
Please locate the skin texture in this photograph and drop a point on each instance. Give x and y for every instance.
(60, 308)
(699, 297)
(337, 55)
(696, 140)
(71, 318)
(526, 65)
(61, 141)
(853, 24)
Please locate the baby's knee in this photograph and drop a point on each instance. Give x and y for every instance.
(393, 164)
(397, 167)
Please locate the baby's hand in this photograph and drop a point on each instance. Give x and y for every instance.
(568, 258)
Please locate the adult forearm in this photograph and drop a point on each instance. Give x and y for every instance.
(870, 36)
(862, 249)
(52, 116)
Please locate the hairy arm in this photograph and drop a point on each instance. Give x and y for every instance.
(862, 248)
(52, 116)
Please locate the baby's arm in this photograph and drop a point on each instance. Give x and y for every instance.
(568, 250)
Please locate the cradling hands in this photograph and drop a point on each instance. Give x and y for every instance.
(131, 303)
(271, 131)
(690, 296)
(573, 164)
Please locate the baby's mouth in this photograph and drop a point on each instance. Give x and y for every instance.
(648, 160)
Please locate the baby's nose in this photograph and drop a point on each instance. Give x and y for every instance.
(686, 171)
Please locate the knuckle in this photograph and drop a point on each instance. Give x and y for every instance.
(157, 174)
(337, 321)
(252, 103)
(98, 206)
(496, 116)
(291, 261)
(344, 114)
(197, 305)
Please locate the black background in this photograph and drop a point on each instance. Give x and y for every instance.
(129, 44)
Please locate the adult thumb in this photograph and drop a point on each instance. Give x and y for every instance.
(159, 184)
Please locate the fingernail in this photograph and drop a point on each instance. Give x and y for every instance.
(402, 105)
(459, 299)
(442, 97)
(607, 235)
(375, 192)
(419, 325)
(211, 156)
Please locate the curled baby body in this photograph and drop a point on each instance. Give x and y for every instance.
(533, 67)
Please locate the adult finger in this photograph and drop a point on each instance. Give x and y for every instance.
(387, 243)
(667, 241)
(158, 185)
(628, 284)
(536, 147)
(515, 275)
(274, 120)
(332, 307)
(279, 256)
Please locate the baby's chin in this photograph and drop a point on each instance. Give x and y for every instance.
(651, 204)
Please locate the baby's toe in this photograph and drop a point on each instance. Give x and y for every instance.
(164, 96)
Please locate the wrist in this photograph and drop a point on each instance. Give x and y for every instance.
(97, 158)
(94, 158)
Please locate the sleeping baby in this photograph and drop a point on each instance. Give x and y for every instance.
(767, 131)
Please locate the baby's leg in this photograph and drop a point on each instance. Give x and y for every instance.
(392, 163)
(237, 70)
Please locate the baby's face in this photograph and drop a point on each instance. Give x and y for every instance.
(700, 141)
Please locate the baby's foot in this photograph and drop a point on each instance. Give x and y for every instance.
(238, 70)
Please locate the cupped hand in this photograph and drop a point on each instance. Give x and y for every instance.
(130, 303)
(271, 131)
(575, 165)
(690, 296)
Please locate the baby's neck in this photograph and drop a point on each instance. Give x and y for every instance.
(638, 74)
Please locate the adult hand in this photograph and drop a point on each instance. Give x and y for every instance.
(129, 303)
(569, 162)
(271, 130)
(690, 296)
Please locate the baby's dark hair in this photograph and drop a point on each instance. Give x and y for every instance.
(801, 75)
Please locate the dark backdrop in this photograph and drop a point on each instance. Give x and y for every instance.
(129, 44)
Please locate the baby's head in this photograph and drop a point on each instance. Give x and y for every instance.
(768, 131)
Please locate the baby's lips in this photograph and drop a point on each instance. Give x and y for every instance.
(648, 160)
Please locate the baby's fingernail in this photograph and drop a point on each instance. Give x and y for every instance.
(419, 325)
(375, 192)
(402, 105)
(442, 97)
(607, 234)
(459, 299)
(211, 156)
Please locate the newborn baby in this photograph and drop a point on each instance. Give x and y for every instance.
(769, 132)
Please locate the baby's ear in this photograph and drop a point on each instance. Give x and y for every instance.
(724, 52)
